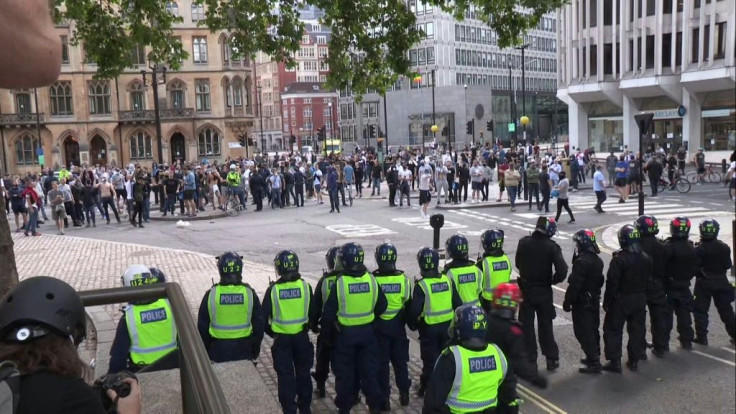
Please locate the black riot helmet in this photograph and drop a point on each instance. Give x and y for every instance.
(457, 247)
(647, 225)
(286, 264)
(331, 258)
(386, 255)
(492, 240)
(585, 241)
(230, 266)
(680, 227)
(41, 305)
(428, 259)
(351, 256)
(629, 238)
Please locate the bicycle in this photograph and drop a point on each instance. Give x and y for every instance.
(232, 205)
(709, 176)
(681, 185)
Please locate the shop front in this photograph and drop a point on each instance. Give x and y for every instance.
(605, 127)
(666, 129)
(719, 121)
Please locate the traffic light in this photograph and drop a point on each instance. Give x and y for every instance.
(322, 133)
(371, 131)
(292, 140)
(489, 125)
(241, 140)
(251, 142)
(470, 127)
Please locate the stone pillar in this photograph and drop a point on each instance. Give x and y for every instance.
(579, 131)
(631, 130)
(692, 122)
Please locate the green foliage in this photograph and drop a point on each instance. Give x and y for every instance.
(368, 45)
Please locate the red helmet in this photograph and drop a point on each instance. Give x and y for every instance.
(506, 296)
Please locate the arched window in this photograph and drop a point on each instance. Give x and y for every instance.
(99, 97)
(172, 8)
(177, 96)
(25, 150)
(22, 102)
(238, 92)
(140, 146)
(60, 94)
(202, 93)
(137, 97)
(226, 92)
(197, 12)
(209, 142)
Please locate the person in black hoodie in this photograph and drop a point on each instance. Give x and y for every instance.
(392, 179)
(391, 325)
(464, 177)
(298, 188)
(582, 297)
(324, 343)
(256, 187)
(679, 272)
(88, 202)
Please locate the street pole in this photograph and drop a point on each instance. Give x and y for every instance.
(385, 123)
(434, 122)
(157, 116)
(38, 121)
(512, 137)
(260, 113)
(641, 174)
(523, 86)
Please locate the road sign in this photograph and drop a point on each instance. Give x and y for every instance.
(39, 151)
(41, 160)
(512, 127)
(234, 145)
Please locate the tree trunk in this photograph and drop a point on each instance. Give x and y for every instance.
(8, 271)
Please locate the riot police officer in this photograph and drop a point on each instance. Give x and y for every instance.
(430, 311)
(536, 254)
(648, 228)
(582, 297)
(353, 305)
(713, 260)
(679, 272)
(495, 265)
(470, 374)
(625, 300)
(229, 319)
(391, 326)
(506, 332)
(463, 273)
(324, 344)
(147, 332)
(288, 309)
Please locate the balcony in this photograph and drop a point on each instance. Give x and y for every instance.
(21, 120)
(149, 116)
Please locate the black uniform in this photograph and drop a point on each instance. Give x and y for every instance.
(582, 296)
(392, 179)
(713, 260)
(535, 256)
(679, 271)
(324, 343)
(625, 302)
(656, 299)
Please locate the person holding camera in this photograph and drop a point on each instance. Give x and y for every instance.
(42, 322)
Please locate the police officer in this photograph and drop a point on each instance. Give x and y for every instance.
(582, 297)
(324, 344)
(146, 332)
(648, 228)
(713, 260)
(470, 374)
(495, 265)
(679, 272)
(463, 273)
(625, 300)
(391, 326)
(288, 308)
(430, 311)
(506, 332)
(536, 254)
(353, 304)
(229, 320)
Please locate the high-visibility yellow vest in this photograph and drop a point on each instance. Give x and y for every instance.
(328, 282)
(231, 310)
(478, 375)
(356, 299)
(437, 300)
(397, 291)
(290, 306)
(496, 270)
(467, 281)
(233, 179)
(152, 331)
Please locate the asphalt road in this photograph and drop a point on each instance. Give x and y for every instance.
(699, 381)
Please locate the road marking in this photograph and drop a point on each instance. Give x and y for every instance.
(725, 361)
(727, 349)
(359, 230)
(504, 221)
(537, 399)
(423, 223)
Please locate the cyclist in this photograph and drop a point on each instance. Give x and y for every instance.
(234, 179)
(699, 160)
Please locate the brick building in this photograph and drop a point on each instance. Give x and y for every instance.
(307, 106)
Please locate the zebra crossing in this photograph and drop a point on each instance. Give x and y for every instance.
(503, 222)
(661, 207)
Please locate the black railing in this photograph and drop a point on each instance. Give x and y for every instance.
(149, 115)
(25, 119)
(200, 390)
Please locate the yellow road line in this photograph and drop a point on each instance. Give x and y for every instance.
(539, 400)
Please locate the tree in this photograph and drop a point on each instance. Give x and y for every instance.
(8, 271)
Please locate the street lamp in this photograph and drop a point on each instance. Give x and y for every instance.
(523, 85)
(157, 118)
(329, 105)
(260, 112)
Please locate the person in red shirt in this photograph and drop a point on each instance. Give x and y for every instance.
(30, 190)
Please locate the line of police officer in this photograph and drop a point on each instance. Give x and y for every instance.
(361, 316)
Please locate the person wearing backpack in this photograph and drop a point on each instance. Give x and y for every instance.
(38, 353)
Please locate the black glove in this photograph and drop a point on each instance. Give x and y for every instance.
(255, 352)
(566, 306)
(558, 278)
(314, 328)
(540, 382)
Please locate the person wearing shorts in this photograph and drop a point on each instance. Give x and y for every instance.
(620, 184)
(18, 205)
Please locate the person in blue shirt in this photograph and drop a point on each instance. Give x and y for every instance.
(599, 187)
(622, 168)
(349, 174)
(332, 189)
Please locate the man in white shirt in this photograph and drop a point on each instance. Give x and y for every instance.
(476, 179)
(425, 188)
(405, 179)
(440, 181)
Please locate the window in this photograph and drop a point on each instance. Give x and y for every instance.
(202, 92)
(650, 52)
(60, 94)
(172, 8)
(98, 93)
(429, 30)
(140, 146)
(65, 49)
(422, 53)
(238, 92)
(310, 65)
(25, 150)
(23, 103)
(321, 40)
(430, 55)
(138, 55)
(197, 12)
(323, 52)
(209, 142)
(720, 46)
(199, 46)
(307, 112)
(137, 97)
(176, 91)
(413, 57)
(305, 39)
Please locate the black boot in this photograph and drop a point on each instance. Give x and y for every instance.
(421, 389)
(404, 398)
(592, 366)
(687, 345)
(386, 405)
(632, 365)
(552, 364)
(613, 365)
(319, 391)
(702, 340)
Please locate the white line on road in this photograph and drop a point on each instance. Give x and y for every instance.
(727, 349)
(725, 361)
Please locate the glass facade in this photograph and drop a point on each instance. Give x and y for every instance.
(606, 134)
(719, 121)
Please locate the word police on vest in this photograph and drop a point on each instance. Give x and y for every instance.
(440, 287)
(466, 278)
(360, 288)
(295, 293)
(391, 288)
(153, 315)
(482, 364)
(232, 299)
(501, 265)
